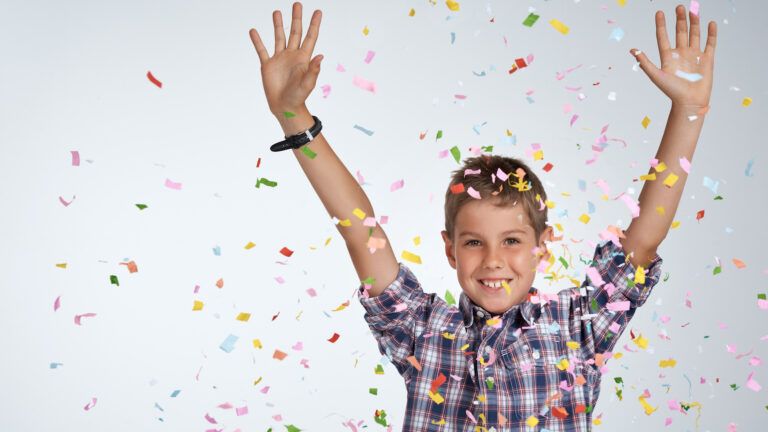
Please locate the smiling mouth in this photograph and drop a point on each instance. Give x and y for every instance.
(496, 285)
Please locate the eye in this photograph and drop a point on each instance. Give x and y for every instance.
(467, 243)
(514, 240)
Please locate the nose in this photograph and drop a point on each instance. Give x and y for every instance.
(493, 259)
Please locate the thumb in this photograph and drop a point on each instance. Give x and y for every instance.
(310, 78)
(647, 66)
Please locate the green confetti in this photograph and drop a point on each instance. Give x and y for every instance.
(265, 182)
(113, 280)
(530, 20)
(563, 262)
(666, 277)
(489, 382)
(288, 114)
(292, 428)
(439, 135)
(141, 206)
(449, 298)
(734, 387)
(487, 149)
(717, 270)
(308, 151)
(379, 369)
(373, 390)
(369, 281)
(456, 153)
(589, 409)
(761, 296)
(718, 198)
(380, 417)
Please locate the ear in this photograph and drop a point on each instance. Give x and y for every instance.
(449, 249)
(546, 236)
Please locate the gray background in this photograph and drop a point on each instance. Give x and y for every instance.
(74, 78)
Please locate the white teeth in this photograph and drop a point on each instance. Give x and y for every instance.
(494, 284)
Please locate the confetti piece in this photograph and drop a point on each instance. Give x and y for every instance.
(473, 193)
(747, 101)
(364, 84)
(229, 343)
(710, 184)
(197, 305)
(584, 218)
(532, 421)
(57, 303)
(75, 157)
(408, 256)
(456, 153)
(154, 80)
(257, 344)
(646, 121)
(365, 30)
(220, 283)
(449, 299)
(396, 185)
(452, 5)
(279, 355)
(738, 263)
(670, 180)
(66, 203)
(265, 182)
(285, 251)
(172, 185)
(617, 34)
(90, 404)
(618, 306)
(250, 245)
(700, 215)
(640, 275)
(692, 77)
(457, 188)
(334, 338)
(667, 363)
(243, 316)
(85, 315)
(685, 164)
(633, 207)
(559, 26)
(241, 411)
(141, 206)
(694, 7)
(414, 362)
(436, 397)
(369, 56)
(530, 20)
(307, 151)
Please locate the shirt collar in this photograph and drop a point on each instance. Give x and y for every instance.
(470, 311)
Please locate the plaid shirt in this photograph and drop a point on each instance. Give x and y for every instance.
(538, 364)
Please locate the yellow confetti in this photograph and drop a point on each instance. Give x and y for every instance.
(675, 224)
(436, 397)
(667, 363)
(621, 2)
(341, 306)
(747, 101)
(417, 240)
(660, 210)
(648, 408)
(492, 322)
(250, 245)
(651, 176)
(562, 28)
(345, 223)
(411, 257)
(538, 155)
(62, 265)
(481, 398)
(641, 341)
(549, 204)
(359, 213)
(646, 121)
(618, 355)
(365, 30)
(256, 382)
(670, 180)
(573, 345)
(584, 218)
(257, 344)
(243, 316)
(661, 167)
(449, 336)
(640, 275)
(532, 421)
(197, 306)
(327, 241)
(439, 422)
(452, 5)
(464, 347)
(506, 287)
(412, 12)
(563, 364)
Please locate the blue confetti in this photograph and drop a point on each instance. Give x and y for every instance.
(229, 343)
(217, 250)
(175, 393)
(748, 172)
(617, 34)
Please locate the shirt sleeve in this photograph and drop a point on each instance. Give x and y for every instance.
(614, 290)
(395, 315)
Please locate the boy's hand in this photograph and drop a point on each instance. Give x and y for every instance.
(289, 76)
(686, 73)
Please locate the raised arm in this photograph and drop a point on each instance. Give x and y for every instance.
(288, 78)
(686, 77)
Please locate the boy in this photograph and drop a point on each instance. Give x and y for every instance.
(507, 359)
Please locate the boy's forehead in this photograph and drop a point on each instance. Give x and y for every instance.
(477, 217)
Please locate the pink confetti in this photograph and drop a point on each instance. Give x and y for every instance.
(75, 158)
(442, 154)
(340, 68)
(685, 164)
(264, 390)
(241, 411)
(312, 292)
(172, 185)
(668, 421)
(396, 185)
(305, 363)
(280, 280)
(299, 346)
(277, 417)
(694, 7)
(66, 203)
(210, 419)
(400, 307)
(90, 405)
(501, 175)
(326, 88)
(573, 119)
(762, 304)
(383, 220)
(57, 304)
(369, 222)
(730, 348)
(595, 277)
(369, 56)
(364, 84)
(603, 186)
(473, 193)
(226, 405)
(471, 417)
(614, 327)
(755, 361)
(85, 315)
(618, 306)
(631, 205)
(472, 172)
(732, 427)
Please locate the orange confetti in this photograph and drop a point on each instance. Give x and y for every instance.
(132, 268)
(457, 188)
(700, 215)
(412, 360)
(739, 263)
(559, 412)
(220, 283)
(279, 355)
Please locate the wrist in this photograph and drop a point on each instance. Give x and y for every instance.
(298, 122)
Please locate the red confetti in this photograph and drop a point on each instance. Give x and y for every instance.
(437, 382)
(334, 338)
(548, 167)
(258, 162)
(457, 188)
(154, 80)
(285, 251)
(559, 412)
(274, 317)
(700, 215)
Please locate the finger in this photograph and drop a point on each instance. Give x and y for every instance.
(711, 39)
(647, 66)
(681, 28)
(314, 28)
(693, 39)
(661, 32)
(260, 50)
(277, 19)
(295, 38)
(310, 78)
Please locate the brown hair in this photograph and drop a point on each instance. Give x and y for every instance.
(501, 192)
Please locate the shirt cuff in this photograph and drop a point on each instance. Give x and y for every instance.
(623, 274)
(395, 295)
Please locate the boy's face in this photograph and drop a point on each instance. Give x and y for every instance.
(493, 244)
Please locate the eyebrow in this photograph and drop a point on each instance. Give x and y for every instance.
(474, 234)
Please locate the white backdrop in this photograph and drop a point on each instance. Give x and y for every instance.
(74, 79)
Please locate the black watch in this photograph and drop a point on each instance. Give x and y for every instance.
(299, 139)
